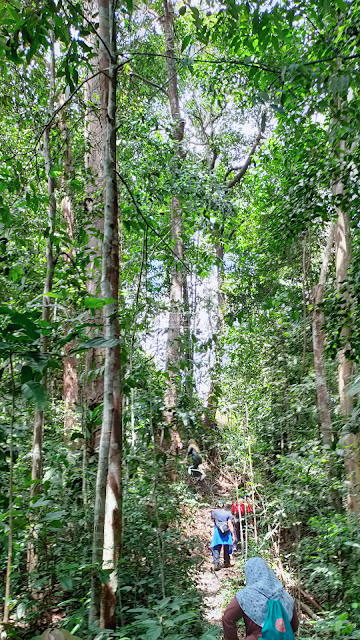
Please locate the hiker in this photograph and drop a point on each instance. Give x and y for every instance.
(238, 511)
(252, 604)
(193, 453)
(223, 535)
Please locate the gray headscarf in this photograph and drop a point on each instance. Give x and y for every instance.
(262, 585)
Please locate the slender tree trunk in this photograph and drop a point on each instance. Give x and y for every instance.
(322, 393)
(109, 439)
(11, 471)
(70, 377)
(113, 505)
(323, 399)
(188, 348)
(212, 400)
(173, 347)
(345, 366)
(37, 446)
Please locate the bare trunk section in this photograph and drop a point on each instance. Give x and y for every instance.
(37, 446)
(97, 92)
(188, 347)
(345, 366)
(173, 347)
(322, 393)
(212, 400)
(107, 514)
(70, 377)
(113, 505)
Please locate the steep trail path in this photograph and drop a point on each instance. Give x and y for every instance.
(214, 585)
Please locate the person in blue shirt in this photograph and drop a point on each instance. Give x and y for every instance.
(223, 535)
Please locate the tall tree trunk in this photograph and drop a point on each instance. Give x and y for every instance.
(70, 377)
(108, 480)
(173, 347)
(322, 393)
(345, 366)
(113, 506)
(37, 446)
(212, 400)
(96, 97)
(188, 347)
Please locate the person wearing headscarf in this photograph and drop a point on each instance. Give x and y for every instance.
(250, 603)
(223, 535)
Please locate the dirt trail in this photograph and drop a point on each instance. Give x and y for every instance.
(212, 584)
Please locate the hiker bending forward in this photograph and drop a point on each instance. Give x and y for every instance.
(251, 604)
(223, 535)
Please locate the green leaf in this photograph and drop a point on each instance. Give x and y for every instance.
(104, 575)
(66, 583)
(96, 343)
(155, 633)
(185, 42)
(37, 361)
(182, 10)
(26, 374)
(35, 392)
(54, 515)
(41, 503)
(341, 4)
(97, 303)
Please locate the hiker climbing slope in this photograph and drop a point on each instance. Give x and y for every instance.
(223, 535)
(193, 454)
(266, 608)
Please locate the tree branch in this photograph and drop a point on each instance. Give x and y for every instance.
(49, 122)
(91, 25)
(149, 82)
(247, 162)
(147, 223)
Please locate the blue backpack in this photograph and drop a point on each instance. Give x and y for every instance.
(277, 625)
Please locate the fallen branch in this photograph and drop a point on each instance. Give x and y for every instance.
(311, 599)
(307, 610)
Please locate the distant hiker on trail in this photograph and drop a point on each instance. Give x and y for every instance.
(238, 511)
(193, 454)
(223, 535)
(266, 608)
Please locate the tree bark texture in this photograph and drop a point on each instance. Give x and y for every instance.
(323, 400)
(113, 504)
(37, 445)
(107, 513)
(173, 347)
(345, 366)
(70, 377)
(96, 97)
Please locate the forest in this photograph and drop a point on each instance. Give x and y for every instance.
(179, 255)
